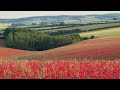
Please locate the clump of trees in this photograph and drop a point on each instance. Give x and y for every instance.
(27, 39)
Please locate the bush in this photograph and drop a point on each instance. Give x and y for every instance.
(85, 38)
(92, 37)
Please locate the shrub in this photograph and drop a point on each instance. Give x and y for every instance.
(92, 37)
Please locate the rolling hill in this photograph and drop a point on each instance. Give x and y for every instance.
(102, 48)
(102, 33)
(65, 18)
(89, 59)
(9, 52)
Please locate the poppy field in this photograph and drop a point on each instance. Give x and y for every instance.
(59, 70)
(8, 52)
(102, 48)
(91, 59)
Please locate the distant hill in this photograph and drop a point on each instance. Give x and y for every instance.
(65, 18)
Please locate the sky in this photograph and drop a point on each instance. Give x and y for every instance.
(21, 14)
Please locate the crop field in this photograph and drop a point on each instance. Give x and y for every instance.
(59, 70)
(52, 27)
(88, 27)
(90, 59)
(89, 49)
(102, 33)
(4, 25)
(8, 52)
(60, 47)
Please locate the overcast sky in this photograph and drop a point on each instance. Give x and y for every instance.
(20, 14)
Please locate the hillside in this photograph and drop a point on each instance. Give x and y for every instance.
(102, 33)
(102, 48)
(60, 47)
(65, 18)
(9, 52)
(105, 54)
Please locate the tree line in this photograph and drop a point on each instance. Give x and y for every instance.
(63, 32)
(27, 39)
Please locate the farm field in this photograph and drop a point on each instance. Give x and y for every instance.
(87, 27)
(102, 33)
(89, 49)
(8, 52)
(4, 25)
(91, 59)
(59, 70)
(60, 46)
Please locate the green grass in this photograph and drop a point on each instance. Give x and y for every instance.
(102, 33)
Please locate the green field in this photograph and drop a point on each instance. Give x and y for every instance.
(4, 25)
(87, 27)
(102, 33)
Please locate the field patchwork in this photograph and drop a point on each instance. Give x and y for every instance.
(102, 33)
(90, 59)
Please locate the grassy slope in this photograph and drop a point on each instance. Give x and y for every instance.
(102, 48)
(103, 33)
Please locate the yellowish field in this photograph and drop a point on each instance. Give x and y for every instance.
(4, 25)
(102, 33)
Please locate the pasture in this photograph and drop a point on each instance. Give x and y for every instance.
(86, 27)
(4, 25)
(102, 33)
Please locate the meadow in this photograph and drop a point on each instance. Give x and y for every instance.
(102, 33)
(4, 25)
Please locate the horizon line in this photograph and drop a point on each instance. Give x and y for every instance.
(56, 15)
